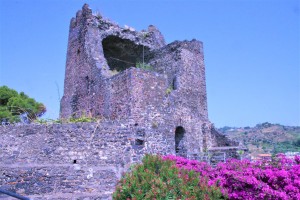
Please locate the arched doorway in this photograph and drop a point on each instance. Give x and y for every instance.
(179, 141)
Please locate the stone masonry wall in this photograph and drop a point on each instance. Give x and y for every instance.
(172, 93)
(73, 161)
(134, 93)
(183, 63)
(119, 101)
(87, 67)
(148, 96)
(80, 77)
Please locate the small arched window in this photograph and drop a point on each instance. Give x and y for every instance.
(179, 141)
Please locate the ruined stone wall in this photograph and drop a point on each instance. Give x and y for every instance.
(148, 96)
(177, 88)
(192, 76)
(87, 68)
(81, 77)
(185, 104)
(120, 101)
(183, 63)
(102, 81)
(135, 94)
(65, 161)
(219, 140)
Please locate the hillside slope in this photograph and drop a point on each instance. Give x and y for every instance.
(266, 138)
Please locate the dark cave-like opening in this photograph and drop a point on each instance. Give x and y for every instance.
(179, 142)
(121, 54)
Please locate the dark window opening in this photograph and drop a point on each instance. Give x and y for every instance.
(174, 83)
(78, 51)
(179, 140)
(74, 161)
(122, 54)
(139, 142)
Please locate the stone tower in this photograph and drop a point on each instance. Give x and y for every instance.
(121, 74)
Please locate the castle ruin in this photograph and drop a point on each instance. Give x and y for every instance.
(122, 74)
(150, 97)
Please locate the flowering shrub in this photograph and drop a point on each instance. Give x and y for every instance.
(156, 178)
(278, 179)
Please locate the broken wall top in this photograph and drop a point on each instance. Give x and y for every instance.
(151, 38)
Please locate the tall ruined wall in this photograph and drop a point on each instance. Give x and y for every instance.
(91, 41)
(148, 96)
(186, 103)
(183, 63)
(81, 78)
(65, 161)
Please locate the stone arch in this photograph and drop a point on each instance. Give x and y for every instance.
(122, 54)
(179, 141)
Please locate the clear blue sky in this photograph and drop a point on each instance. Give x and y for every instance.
(251, 48)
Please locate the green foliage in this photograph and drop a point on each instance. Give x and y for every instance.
(266, 138)
(48, 121)
(240, 152)
(82, 119)
(5, 94)
(5, 114)
(157, 179)
(297, 142)
(13, 104)
(286, 146)
(169, 90)
(143, 66)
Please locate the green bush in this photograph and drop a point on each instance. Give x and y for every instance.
(169, 90)
(157, 179)
(83, 118)
(143, 66)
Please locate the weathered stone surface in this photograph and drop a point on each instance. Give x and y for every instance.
(77, 159)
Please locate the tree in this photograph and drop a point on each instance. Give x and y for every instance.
(15, 107)
(297, 143)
